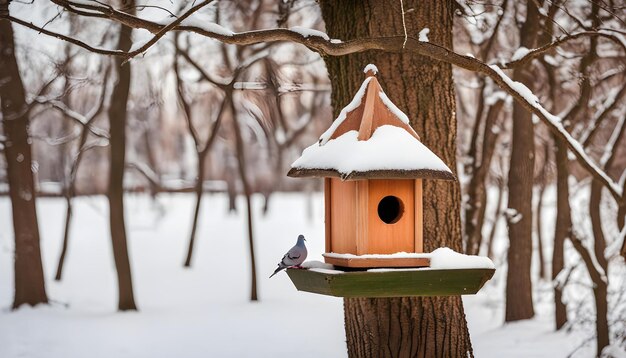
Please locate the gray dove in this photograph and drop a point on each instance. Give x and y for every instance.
(294, 257)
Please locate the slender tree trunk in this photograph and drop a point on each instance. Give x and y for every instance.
(196, 214)
(519, 298)
(599, 242)
(66, 236)
(241, 166)
(67, 153)
(600, 290)
(423, 89)
(477, 189)
(538, 221)
(28, 270)
(117, 124)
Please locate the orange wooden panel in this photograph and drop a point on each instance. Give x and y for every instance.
(419, 217)
(327, 214)
(363, 216)
(373, 263)
(343, 216)
(386, 238)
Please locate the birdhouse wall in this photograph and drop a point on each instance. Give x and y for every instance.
(394, 201)
(378, 216)
(341, 215)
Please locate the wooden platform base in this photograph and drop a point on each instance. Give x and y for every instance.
(391, 283)
(377, 262)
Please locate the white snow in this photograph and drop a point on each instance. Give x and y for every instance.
(317, 265)
(199, 312)
(423, 35)
(389, 148)
(445, 258)
(370, 67)
(513, 216)
(440, 259)
(204, 311)
(306, 32)
(519, 53)
(201, 22)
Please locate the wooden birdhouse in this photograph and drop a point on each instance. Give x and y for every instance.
(373, 163)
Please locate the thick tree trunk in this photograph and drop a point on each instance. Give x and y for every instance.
(562, 228)
(417, 327)
(29, 278)
(117, 124)
(519, 299)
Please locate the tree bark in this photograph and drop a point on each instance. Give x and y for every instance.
(28, 270)
(117, 123)
(422, 88)
(519, 298)
(562, 228)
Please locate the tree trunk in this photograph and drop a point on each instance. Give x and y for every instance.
(538, 229)
(477, 189)
(422, 88)
(117, 124)
(562, 228)
(29, 278)
(241, 166)
(519, 299)
(196, 213)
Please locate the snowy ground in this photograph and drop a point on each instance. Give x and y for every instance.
(204, 311)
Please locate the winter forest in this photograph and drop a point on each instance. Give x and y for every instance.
(145, 202)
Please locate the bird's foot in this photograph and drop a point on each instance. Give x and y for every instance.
(299, 267)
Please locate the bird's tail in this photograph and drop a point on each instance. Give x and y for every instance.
(280, 268)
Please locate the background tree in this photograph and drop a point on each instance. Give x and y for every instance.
(29, 276)
(115, 194)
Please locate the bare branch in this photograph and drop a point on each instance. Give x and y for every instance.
(394, 44)
(532, 54)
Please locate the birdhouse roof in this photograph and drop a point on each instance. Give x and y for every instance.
(370, 139)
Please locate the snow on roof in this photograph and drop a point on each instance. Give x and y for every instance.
(371, 138)
(371, 67)
(391, 152)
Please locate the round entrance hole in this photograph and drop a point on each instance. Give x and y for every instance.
(390, 209)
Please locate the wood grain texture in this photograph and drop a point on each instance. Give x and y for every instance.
(343, 216)
(362, 216)
(418, 245)
(327, 215)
